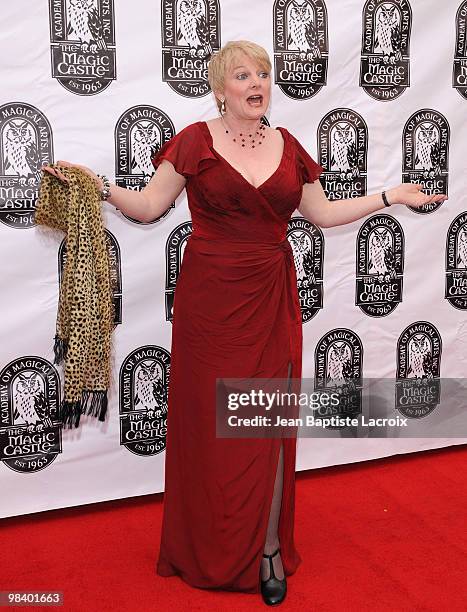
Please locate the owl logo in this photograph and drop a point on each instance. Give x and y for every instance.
(192, 28)
(145, 142)
(29, 403)
(420, 358)
(344, 150)
(143, 399)
(339, 366)
(379, 265)
(307, 243)
(461, 261)
(388, 33)
(381, 254)
(302, 32)
(85, 24)
(427, 149)
(302, 247)
(150, 390)
(21, 152)
(418, 369)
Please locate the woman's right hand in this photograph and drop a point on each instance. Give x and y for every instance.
(55, 172)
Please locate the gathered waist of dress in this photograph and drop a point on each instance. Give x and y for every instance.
(248, 245)
(260, 250)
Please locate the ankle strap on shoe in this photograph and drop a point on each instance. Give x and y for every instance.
(273, 554)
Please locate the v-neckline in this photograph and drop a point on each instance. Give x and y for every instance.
(211, 145)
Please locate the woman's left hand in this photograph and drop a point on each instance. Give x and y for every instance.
(410, 194)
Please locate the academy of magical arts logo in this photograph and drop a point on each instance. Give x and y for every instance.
(459, 76)
(385, 59)
(30, 428)
(456, 263)
(342, 152)
(418, 370)
(300, 47)
(307, 242)
(144, 382)
(338, 369)
(25, 145)
(190, 35)
(425, 154)
(379, 265)
(113, 250)
(174, 250)
(140, 132)
(82, 37)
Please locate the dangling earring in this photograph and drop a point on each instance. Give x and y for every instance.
(222, 106)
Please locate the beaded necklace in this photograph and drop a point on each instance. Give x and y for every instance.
(254, 139)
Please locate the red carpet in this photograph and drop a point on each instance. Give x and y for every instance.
(383, 535)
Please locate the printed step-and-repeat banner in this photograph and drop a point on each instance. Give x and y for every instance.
(376, 91)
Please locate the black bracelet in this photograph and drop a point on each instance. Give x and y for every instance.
(385, 200)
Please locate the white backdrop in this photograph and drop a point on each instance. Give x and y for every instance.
(111, 119)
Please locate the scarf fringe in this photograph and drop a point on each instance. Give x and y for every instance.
(96, 403)
(70, 413)
(60, 350)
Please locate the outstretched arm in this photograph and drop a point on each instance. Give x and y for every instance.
(316, 207)
(145, 205)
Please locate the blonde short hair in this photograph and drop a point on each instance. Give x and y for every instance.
(221, 62)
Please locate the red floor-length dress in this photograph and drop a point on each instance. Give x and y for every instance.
(236, 314)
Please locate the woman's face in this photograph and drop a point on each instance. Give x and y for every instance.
(247, 89)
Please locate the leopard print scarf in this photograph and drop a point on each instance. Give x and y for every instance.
(85, 318)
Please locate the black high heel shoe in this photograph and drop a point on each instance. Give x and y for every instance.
(272, 589)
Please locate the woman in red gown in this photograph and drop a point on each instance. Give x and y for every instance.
(236, 314)
(229, 503)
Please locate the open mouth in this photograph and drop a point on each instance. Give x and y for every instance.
(255, 100)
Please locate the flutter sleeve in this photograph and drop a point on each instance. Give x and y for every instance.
(308, 169)
(187, 151)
